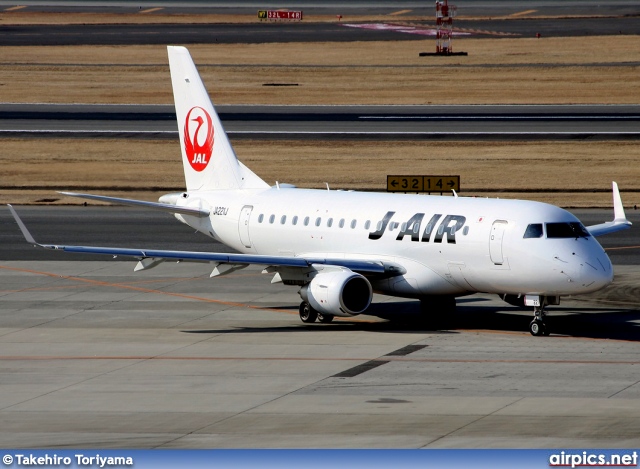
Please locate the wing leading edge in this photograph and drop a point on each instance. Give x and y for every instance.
(155, 256)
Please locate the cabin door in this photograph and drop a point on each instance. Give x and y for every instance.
(495, 242)
(243, 225)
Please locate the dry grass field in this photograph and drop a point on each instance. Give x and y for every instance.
(147, 169)
(532, 71)
(497, 71)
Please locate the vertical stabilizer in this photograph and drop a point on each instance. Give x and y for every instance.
(207, 155)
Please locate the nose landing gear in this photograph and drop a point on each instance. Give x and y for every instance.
(537, 327)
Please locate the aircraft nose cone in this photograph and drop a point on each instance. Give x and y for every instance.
(596, 272)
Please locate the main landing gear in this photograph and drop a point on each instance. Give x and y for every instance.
(309, 315)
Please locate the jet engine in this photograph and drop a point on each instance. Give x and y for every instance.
(338, 293)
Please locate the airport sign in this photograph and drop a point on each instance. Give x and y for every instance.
(423, 183)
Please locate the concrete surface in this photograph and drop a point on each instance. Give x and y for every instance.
(92, 355)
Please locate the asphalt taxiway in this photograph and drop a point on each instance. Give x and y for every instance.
(494, 122)
(260, 33)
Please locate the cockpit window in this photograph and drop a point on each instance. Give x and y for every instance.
(566, 230)
(534, 230)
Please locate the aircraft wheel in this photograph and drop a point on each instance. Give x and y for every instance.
(325, 318)
(307, 313)
(538, 328)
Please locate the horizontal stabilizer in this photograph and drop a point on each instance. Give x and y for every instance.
(194, 212)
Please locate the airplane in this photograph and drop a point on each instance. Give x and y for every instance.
(339, 247)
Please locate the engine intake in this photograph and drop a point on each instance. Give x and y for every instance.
(339, 293)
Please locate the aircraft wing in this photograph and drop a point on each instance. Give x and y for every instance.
(619, 222)
(152, 257)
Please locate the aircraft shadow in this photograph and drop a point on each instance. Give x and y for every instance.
(619, 323)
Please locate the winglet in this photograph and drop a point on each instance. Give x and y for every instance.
(618, 208)
(619, 222)
(23, 228)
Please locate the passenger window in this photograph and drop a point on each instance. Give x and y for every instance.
(330, 222)
(341, 224)
(283, 220)
(306, 221)
(318, 221)
(427, 231)
(272, 218)
(367, 224)
(353, 223)
(465, 231)
(294, 220)
(534, 230)
(379, 225)
(416, 228)
(260, 218)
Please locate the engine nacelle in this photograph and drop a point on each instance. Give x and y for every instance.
(339, 293)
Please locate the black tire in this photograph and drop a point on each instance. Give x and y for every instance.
(307, 313)
(325, 318)
(537, 328)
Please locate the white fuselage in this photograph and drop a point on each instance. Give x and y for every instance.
(448, 246)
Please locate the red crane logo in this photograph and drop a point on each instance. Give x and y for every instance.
(198, 141)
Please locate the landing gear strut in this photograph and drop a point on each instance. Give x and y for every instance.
(537, 327)
(309, 315)
(325, 318)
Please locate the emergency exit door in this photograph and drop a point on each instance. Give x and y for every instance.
(243, 225)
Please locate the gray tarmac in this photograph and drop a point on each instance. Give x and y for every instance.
(95, 355)
(260, 33)
(496, 122)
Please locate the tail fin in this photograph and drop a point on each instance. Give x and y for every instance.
(207, 155)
